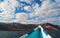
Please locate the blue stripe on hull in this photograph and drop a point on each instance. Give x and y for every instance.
(36, 34)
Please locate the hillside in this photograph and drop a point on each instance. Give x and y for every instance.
(22, 27)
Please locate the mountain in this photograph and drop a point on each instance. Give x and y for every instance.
(51, 27)
(16, 26)
(22, 27)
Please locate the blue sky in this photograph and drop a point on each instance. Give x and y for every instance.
(30, 11)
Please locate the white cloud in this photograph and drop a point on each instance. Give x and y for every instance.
(55, 21)
(28, 8)
(50, 20)
(58, 1)
(47, 10)
(27, 1)
(21, 16)
(29, 21)
(8, 7)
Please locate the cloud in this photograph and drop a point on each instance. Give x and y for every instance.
(28, 8)
(27, 1)
(21, 16)
(28, 21)
(8, 7)
(55, 21)
(49, 11)
(46, 10)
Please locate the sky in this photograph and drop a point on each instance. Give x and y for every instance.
(30, 11)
